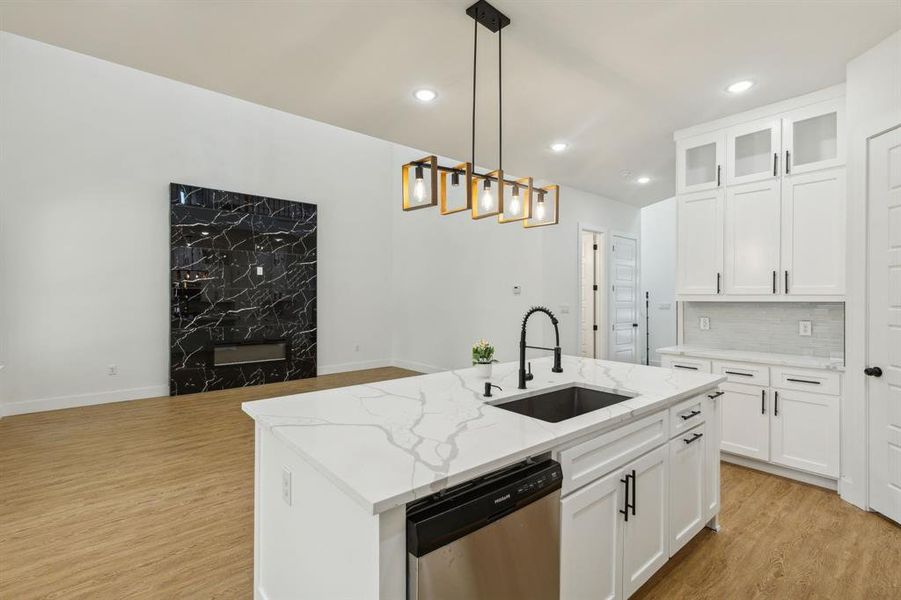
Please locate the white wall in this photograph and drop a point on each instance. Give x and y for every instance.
(658, 274)
(873, 105)
(88, 151)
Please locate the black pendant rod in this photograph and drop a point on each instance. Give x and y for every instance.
(500, 107)
(475, 49)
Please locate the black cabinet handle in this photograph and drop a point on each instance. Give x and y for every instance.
(693, 413)
(786, 281)
(715, 395)
(634, 493)
(763, 402)
(788, 168)
(625, 509)
(719, 169)
(775, 163)
(696, 436)
(776, 404)
(774, 282)
(802, 381)
(685, 367)
(739, 373)
(717, 283)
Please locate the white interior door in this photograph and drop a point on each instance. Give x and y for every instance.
(884, 326)
(624, 299)
(592, 305)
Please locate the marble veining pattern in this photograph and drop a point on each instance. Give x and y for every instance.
(388, 443)
(243, 270)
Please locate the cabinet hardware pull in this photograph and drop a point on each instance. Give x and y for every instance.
(715, 395)
(774, 282)
(802, 380)
(696, 436)
(685, 367)
(775, 163)
(786, 281)
(788, 168)
(719, 168)
(634, 493)
(739, 373)
(763, 402)
(693, 413)
(775, 404)
(625, 509)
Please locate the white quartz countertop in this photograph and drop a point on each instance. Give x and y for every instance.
(785, 360)
(390, 442)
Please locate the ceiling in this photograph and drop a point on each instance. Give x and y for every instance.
(612, 79)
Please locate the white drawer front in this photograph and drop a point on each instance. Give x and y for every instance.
(585, 462)
(807, 380)
(686, 414)
(687, 364)
(741, 372)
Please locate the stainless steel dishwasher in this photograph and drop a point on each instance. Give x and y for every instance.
(493, 538)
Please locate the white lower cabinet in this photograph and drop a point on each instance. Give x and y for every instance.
(746, 421)
(805, 431)
(688, 486)
(614, 532)
(714, 425)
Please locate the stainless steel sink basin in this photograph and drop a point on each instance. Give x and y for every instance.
(564, 404)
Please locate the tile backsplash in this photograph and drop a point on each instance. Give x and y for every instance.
(767, 327)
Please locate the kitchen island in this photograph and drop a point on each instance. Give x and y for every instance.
(335, 469)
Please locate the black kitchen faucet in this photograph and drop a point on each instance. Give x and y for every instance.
(523, 376)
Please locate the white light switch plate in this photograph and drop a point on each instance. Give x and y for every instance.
(564, 309)
(517, 290)
(704, 323)
(805, 328)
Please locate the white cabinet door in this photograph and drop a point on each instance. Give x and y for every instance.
(746, 421)
(699, 162)
(752, 215)
(814, 137)
(687, 466)
(813, 233)
(646, 533)
(752, 151)
(591, 530)
(805, 431)
(700, 243)
(713, 427)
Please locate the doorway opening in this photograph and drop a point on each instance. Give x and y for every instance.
(592, 294)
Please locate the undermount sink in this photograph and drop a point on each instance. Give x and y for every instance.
(564, 404)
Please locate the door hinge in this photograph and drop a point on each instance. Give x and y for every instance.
(595, 246)
(595, 327)
(595, 287)
(613, 248)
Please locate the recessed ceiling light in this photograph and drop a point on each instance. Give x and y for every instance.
(740, 86)
(425, 95)
(643, 179)
(559, 146)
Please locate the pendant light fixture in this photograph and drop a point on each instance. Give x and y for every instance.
(483, 194)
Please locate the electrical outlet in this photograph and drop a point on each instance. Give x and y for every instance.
(112, 370)
(286, 485)
(704, 323)
(805, 328)
(259, 270)
(517, 290)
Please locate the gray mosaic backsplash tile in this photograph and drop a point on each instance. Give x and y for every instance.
(767, 327)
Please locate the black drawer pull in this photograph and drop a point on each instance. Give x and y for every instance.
(802, 381)
(693, 413)
(715, 395)
(738, 373)
(696, 436)
(626, 506)
(685, 367)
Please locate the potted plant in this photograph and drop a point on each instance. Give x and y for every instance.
(482, 357)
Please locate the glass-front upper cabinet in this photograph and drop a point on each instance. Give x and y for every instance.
(752, 151)
(814, 138)
(699, 162)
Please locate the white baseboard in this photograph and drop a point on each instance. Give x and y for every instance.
(412, 365)
(802, 476)
(353, 366)
(60, 402)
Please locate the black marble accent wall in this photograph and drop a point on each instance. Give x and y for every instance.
(243, 272)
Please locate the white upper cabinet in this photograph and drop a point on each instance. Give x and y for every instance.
(700, 243)
(752, 215)
(752, 151)
(813, 233)
(814, 138)
(699, 162)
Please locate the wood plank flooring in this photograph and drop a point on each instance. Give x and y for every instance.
(154, 499)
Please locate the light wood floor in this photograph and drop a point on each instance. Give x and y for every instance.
(154, 499)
